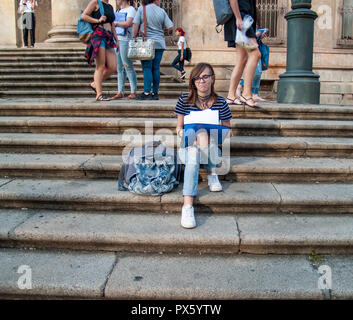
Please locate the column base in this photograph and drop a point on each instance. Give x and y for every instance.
(63, 34)
(297, 88)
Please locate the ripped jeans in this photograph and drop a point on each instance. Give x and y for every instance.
(194, 156)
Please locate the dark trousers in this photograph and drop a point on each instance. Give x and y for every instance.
(30, 31)
(177, 64)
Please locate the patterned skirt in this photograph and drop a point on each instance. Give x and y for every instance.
(94, 43)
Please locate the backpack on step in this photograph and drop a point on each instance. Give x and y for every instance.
(150, 170)
(84, 28)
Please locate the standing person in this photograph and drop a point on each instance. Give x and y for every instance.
(125, 65)
(247, 59)
(201, 96)
(100, 47)
(27, 7)
(258, 72)
(178, 62)
(157, 20)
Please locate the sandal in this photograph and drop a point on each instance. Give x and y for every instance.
(119, 95)
(243, 99)
(234, 103)
(93, 88)
(102, 98)
(131, 96)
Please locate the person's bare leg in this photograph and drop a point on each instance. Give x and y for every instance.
(237, 72)
(98, 73)
(110, 58)
(249, 71)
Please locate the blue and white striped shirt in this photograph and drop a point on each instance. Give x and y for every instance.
(221, 105)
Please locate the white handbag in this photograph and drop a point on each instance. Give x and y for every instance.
(141, 48)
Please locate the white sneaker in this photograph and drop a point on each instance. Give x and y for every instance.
(214, 183)
(187, 217)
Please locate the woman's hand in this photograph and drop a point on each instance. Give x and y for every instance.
(181, 58)
(239, 23)
(102, 19)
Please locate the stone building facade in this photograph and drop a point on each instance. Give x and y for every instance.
(333, 39)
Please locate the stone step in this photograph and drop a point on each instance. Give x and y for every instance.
(242, 169)
(164, 94)
(69, 78)
(103, 195)
(116, 144)
(54, 54)
(56, 68)
(79, 86)
(87, 107)
(15, 59)
(252, 127)
(154, 233)
(110, 275)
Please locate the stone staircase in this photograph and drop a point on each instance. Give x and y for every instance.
(62, 73)
(286, 208)
(285, 212)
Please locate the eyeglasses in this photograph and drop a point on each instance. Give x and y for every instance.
(204, 78)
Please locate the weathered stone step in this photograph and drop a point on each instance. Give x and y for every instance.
(57, 68)
(116, 144)
(103, 195)
(69, 77)
(109, 275)
(18, 53)
(149, 232)
(79, 86)
(242, 169)
(15, 59)
(253, 127)
(87, 107)
(167, 93)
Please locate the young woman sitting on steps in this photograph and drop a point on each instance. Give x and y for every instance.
(205, 151)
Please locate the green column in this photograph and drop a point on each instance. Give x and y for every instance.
(299, 84)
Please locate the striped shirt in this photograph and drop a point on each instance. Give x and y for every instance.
(183, 108)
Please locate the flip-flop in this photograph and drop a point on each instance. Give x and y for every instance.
(233, 102)
(101, 97)
(243, 99)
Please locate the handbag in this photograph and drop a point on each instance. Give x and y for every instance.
(265, 55)
(141, 49)
(84, 28)
(188, 54)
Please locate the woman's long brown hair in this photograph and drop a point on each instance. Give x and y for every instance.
(195, 72)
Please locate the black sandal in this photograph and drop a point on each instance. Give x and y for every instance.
(246, 102)
(102, 98)
(233, 102)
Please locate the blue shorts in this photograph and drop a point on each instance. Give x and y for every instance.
(104, 43)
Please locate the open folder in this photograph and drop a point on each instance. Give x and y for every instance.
(204, 120)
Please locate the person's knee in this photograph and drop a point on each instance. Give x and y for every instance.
(255, 54)
(100, 67)
(192, 156)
